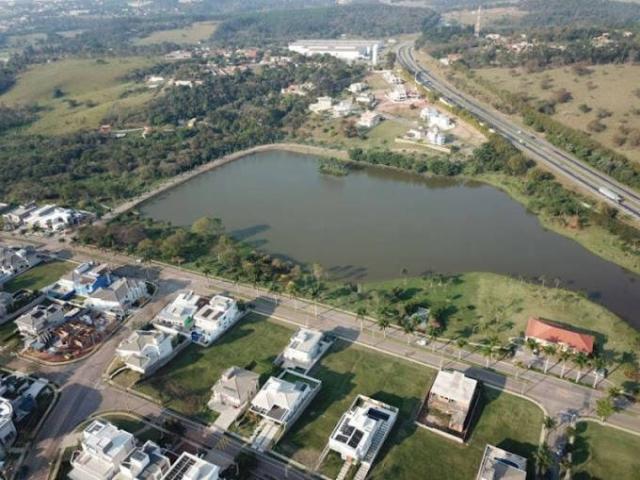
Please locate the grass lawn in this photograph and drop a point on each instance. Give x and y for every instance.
(185, 383)
(197, 32)
(39, 277)
(350, 370)
(96, 87)
(607, 87)
(605, 452)
(480, 305)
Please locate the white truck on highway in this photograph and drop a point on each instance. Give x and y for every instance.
(610, 194)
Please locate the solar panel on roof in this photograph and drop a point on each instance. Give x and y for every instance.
(377, 414)
(355, 440)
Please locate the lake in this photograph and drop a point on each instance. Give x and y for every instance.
(374, 222)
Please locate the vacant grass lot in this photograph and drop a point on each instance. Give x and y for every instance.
(91, 90)
(608, 88)
(197, 32)
(185, 383)
(410, 452)
(605, 452)
(39, 277)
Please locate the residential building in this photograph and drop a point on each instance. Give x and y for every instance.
(362, 430)
(103, 449)
(398, 94)
(436, 137)
(17, 216)
(52, 217)
(6, 301)
(235, 388)
(435, 118)
(305, 347)
(416, 134)
(119, 297)
(343, 109)
(298, 89)
(348, 50)
(178, 315)
(85, 279)
(357, 87)
(392, 78)
(8, 431)
(14, 260)
(36, 323)
(451, 401)
(369, 119)
(190, 467)
(547, 332)
(155, 81)
(214, 318)
(367, 99)
(143, 350)
(498, 464)
(323, 104)
(282, 399)
(147, 462)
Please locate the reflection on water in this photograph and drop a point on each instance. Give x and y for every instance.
(376, 222)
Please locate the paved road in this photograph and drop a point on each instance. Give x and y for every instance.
(84, 392)
(540, 150)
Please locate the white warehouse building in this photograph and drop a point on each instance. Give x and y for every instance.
(348, 50)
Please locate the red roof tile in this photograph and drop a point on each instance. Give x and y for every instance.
(551, 332)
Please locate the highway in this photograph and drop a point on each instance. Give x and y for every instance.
(537, 148)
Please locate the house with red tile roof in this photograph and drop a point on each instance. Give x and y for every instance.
(548, 332)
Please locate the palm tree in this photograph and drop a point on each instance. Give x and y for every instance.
(318, 274)
(580, 360)
(532, 344)
(549, 352)
(605, 408)
(563, 356)
(599, 364)
(206, 271)
(543, 459)
(487, 351)
(549, 422)
(461, 343)
(361, 313)
(404, 272)
(383, 323)
(409, 327)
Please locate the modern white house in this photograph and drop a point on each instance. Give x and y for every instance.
(367, 99)
(361, 432)
(147, 462)
(344, 108)
(305, 348)
(178, 315)
(143, 350)
(83, 280)
(14, 260)
(499, 464)
(104, 448)
(436, 137)
(369, 119)
(348, 50)
(358, 87)
(119, 297)
(214, 318)
(435, 118)
(37, 322)
(52, 217)
(282, 399)
(235, 388)
(323, 104)
(17, 216)
(190, 467)
(8, 431)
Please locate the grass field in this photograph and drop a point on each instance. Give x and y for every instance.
(350, 370)
(197, 32)
(185, 383)
(39, 277)
(96, 87)
(608, 88)
(604, 452)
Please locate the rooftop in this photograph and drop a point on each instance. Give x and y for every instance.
(454, 385)
(555, 333)
(305, 340)
(499, 464)
(190, 467)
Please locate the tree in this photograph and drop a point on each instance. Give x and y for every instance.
(207, 227)
(605, 408)
(174, 245)
(361, 313)
(549, 352)
(543, 459)
(563, 356)
(532, 344)
(384, 323)
(461, 343)
(549, 422)
(580, 360)
(408, 327)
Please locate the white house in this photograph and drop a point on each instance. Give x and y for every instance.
(392, 78)
(190, 467)
(417, 134)
(14, 260)
(214, 318)
(323, 104)
(118, 297)
(369, 119)
(398, 94)
(52, 217)
(103, 449)
(357, 87)
(451, 400)
(144, 349)
(36, 323)
(147, 462)
(282, 399)
(178, 315)
(436, 137)
(304, 349)
(343, 109)
(500, 464)
(8, 431)
(367, 99)
(235, 388)
(362, 430)
(17, 216)
(435, 118)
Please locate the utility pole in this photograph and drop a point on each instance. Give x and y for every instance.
(476, 30)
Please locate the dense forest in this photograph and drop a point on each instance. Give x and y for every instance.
(282, 26)
(575, 13)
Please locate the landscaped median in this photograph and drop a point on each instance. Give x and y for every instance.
(346, 371)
